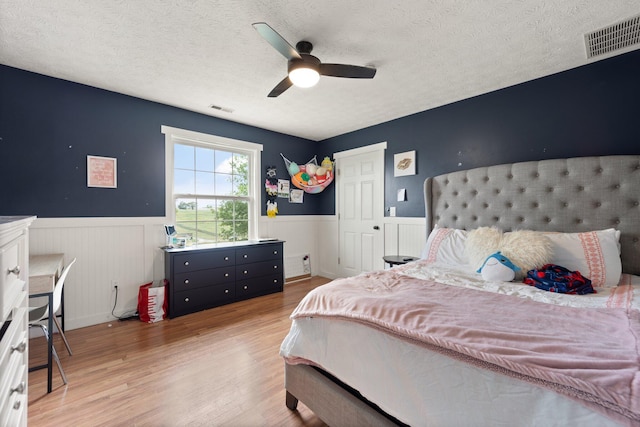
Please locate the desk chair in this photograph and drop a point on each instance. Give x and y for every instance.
(37, 314)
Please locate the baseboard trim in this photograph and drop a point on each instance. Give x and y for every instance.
(297, 278)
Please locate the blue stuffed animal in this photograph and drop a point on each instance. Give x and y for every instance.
(498, 268)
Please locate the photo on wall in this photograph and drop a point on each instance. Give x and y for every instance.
(102, 172)
(404, 163)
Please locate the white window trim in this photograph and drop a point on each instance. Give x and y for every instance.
(253, 150)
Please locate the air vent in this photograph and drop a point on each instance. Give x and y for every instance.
(617, 36)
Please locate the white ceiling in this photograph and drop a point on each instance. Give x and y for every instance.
(194, 53)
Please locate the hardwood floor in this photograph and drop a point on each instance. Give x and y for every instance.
(218, 367)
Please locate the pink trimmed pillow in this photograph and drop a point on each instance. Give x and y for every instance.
(446, 245)
(595, 254)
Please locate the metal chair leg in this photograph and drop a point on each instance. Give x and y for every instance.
(55, 355)
(64, 338)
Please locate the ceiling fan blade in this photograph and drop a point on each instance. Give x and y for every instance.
(276, 40)
(349, 71)
(280, 87)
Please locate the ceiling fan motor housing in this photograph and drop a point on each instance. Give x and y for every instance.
(307, 61)
(304, 46)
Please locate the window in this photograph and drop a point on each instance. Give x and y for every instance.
(212, 186)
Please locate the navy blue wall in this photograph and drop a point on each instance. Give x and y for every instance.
(49, 126)
(591, 110)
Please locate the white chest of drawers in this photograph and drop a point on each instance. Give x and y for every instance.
(14, 329)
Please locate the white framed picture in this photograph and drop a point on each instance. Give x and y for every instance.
(283, 188)
(297, 196)
(102, 172)
(404, 163)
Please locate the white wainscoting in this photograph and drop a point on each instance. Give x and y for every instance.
(122, 251)
(404, 236)
(126, 252)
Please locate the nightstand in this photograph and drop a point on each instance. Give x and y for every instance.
(398, 259)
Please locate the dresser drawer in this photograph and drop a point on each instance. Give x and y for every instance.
(201, 298)
(11, 285)
(13, 394)
(258, 253)
(14, 338)
(13, 365)
(248, 271)
(193, 261)
(249, 288)
(200, 278)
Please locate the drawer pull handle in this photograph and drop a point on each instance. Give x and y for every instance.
(15, 270)
(245, 256)
(226, 291)
(186, 263)
(245, 287)
(186, 299)
(275, 266)
(226, 274)
(186, 282)
(20, 348)
(275, 252)
(19, 388)
(245, 272)
(275, 280)
(226, 258)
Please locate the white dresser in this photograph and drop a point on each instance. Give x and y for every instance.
(14, 331)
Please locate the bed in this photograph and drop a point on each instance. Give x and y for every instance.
(364, 364)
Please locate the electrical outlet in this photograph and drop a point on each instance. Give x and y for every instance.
(306, 264)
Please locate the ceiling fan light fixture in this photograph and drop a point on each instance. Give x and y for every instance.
(304, 72)
(304, 77)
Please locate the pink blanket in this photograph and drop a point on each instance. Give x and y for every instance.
(592, 355)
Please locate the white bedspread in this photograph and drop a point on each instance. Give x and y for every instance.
(621, 296)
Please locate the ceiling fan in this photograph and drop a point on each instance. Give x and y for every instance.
(305, 69)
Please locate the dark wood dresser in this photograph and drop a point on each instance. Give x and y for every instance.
(213, 275)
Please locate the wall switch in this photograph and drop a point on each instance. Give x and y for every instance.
(392, 211)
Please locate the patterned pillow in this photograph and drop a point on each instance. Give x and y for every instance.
(595, 254)
(446, 245)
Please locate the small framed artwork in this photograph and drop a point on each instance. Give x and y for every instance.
(102, 172)
(283, 188)
(404, 163)
(297, 196)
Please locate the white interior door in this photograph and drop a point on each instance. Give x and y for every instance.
(360, 194)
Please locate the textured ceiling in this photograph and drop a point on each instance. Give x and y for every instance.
(195, 53)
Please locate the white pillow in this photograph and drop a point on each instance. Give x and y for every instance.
(595, 254)
(446, 245)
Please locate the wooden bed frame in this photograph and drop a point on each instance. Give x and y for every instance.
(569, 195)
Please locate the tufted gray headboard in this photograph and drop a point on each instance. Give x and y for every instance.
(570, 195)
